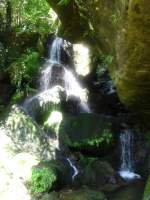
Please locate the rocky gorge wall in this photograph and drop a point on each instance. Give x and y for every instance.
(116, 28)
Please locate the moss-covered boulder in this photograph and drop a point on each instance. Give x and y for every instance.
(58, 168)
(89, 131)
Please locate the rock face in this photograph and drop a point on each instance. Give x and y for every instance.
(120, 29)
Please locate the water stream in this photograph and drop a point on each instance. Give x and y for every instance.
(127, 164)
(75, 170)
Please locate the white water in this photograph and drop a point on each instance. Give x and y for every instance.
(75, 170)
(73, 88)
(127, 167)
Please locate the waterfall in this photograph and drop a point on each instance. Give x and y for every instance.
(127, 166)
(55, 73)
(75, 170)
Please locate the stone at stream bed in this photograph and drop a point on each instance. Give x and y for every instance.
(130, 192)
(81, 194)
(97, 174)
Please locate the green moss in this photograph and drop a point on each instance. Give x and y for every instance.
(106, 138)
(42, 180)
(134, 59)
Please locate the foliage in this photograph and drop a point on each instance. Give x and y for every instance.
(106, 138)
(17, 96)
(28, 15)
(63, 2)
(42, 180)
(24, 68)
(106, 61)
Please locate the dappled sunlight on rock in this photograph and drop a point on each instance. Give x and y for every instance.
(27, 136)
(14, 170)
(54, 121)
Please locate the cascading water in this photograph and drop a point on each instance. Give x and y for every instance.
(55, 73)
(75, 170)
(127, 165)
(54, 58)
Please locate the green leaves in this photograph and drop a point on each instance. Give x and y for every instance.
(29, 15)
(24, 68)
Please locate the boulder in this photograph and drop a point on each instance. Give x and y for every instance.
(97, 174)
(87, 131)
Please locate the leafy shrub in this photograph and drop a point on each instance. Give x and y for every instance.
(105, 63)
(24, 68)
(63, 2)
(42, 180)
(17, 96)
